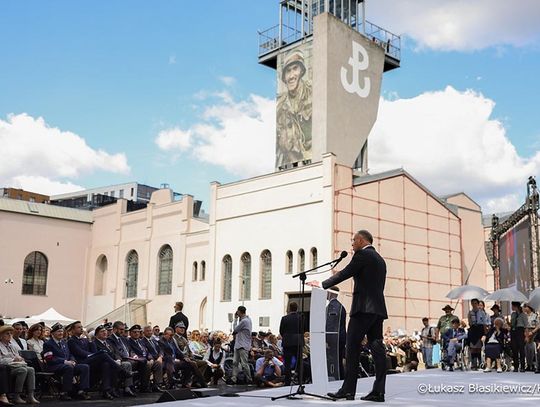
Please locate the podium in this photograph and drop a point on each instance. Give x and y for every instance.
(324, 344)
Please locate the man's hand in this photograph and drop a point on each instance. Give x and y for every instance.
(314, 283)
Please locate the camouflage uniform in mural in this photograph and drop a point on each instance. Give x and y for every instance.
(294, 111)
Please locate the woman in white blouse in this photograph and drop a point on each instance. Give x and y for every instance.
(35, 339)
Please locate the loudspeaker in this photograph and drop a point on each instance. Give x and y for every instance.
(178, 394)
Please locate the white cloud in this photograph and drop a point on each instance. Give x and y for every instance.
(447, 139)
(460, 24)
(236, 135)
(450, 142)
(174, 139)
(172, 59)
(227, 80)
(34, 151)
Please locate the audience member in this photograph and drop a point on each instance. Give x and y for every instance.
(518, 322)
(18, 370)
(268, 370)
(35, 338)
(494, 345)
(427, 335)
(215, 359)
(242, 344)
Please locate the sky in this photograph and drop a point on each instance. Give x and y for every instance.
(99, 93)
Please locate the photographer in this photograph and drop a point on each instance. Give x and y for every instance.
(242, 344)
(428, 340)
(268, 370)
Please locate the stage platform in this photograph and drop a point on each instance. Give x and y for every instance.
(424, 388)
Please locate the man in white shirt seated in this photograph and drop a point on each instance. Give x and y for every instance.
(215, 359)
(268, 370)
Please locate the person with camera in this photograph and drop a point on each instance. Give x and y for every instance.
(268, 370)
(242, 344)
(428, 340)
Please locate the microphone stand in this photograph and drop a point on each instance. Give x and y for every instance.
(299, 360)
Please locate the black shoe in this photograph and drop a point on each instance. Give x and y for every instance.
(537, 371)
(521, 370)
(341, 395)
(114, 393)
(64, 397)
(451, 368)
(81, 394)
(107, 395)
(378, 397)
(129, 393)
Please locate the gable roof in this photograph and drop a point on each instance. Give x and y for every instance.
(366, 179)
(45, 210)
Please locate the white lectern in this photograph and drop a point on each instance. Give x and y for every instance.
(317, 340)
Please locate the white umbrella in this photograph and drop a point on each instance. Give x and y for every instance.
(534, 299)
(467, 292)
(507, 294)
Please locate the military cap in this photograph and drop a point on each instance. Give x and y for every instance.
(108, 326)
(448, 307)
(57, 327)
(180, 325)
(135, 327)
(495, 306)
(295, 57)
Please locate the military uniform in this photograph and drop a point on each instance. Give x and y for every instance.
(293, 124)
(445, 323)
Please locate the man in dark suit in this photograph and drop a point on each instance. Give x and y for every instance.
(144, 360)
(179, 316)
(60, 361)
(100, 344)
(102, 366)
(368, 311)
(154, 356)
(292, 340)
(336, 334)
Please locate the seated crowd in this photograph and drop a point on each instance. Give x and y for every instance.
(120, 361)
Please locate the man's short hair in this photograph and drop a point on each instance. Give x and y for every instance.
(475, 300)
(118, 324)
(242, 309)
(425, 319)
(168, 329)
(180, 305)
(366, 235)
(16, 325)
(293, 307)
(455, 321)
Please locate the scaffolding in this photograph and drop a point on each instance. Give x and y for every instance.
(296, 23)
(499, 228)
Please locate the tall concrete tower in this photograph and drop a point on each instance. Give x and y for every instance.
(329, 62)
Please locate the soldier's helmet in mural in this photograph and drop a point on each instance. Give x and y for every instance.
(295, 57)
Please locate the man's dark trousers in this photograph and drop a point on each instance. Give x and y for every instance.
(360, 325)
(288, 354)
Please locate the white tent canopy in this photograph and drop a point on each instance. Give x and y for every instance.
(50, 317)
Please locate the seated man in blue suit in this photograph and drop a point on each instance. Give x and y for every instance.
(452, 339)
(60, 361)
(139, 352)
(102, 366)
(154, 356)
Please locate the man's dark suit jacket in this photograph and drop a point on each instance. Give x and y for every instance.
(96, 346)
(152, 348)
(368, 270)
(290, 331)
(56, 355)
(120, 345)
(79, 348)
(176, 318)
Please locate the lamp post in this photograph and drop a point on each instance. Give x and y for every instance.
(7, 283)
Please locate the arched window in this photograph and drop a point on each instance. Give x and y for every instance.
(266, 275)
(165, 270)
(245, 277)
(289, 262)
(226, 291)
(301, 260)
(132, 273)
(202, 314)
(314, 257)
(99, 279)
(194, 271)
(203, 270)
(35, 274)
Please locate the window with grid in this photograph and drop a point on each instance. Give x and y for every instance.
(301, 260)
(194, 271)
(226, 291)
(266, 275)
(165, 270)
(35, 274)
(245, 277)
(289, 262)
(314, 257)
(203, 270)
(132, 273)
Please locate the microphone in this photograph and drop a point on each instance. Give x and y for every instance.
(341, 257)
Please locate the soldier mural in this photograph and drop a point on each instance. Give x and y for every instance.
(294, 108)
